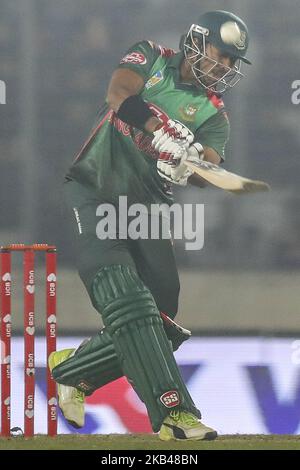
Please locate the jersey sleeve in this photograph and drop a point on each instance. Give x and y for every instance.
(214, 133)
(140, 58)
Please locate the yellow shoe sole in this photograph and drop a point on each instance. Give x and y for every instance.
(57, 357)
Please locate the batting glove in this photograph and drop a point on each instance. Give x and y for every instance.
(169, 155)
(172, 131)
(170, 165)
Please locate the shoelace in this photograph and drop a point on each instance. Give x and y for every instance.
(185, 417)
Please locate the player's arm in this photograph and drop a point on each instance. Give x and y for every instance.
(213, 136)
(126, 83)
(124, 98)
(124, 93)
(210, 155)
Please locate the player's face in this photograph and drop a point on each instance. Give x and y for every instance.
(215, 65)
(223, 62)
(206, 64)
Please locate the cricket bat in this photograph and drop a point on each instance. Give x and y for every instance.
(226, 180)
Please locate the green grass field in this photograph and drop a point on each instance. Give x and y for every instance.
(148, 442)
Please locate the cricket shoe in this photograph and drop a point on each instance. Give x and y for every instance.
(70, 399)
(181, 425)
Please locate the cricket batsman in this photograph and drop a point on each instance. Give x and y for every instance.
(162, 108)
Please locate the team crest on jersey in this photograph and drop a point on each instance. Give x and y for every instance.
(188, 112)
(134, 58)
(156, 78)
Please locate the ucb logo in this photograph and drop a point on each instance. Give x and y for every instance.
(170, 399)
(2, 92)
(51, 278)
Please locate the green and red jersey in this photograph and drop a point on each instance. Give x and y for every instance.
(118, 159)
